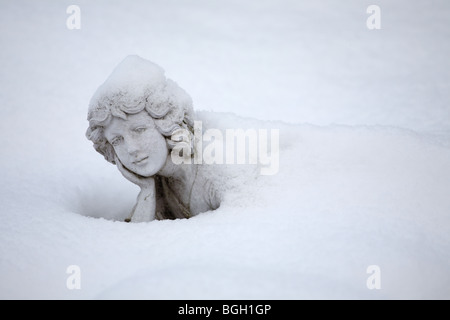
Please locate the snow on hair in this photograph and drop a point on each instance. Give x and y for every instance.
(168, 104)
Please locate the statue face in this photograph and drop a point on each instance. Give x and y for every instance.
(138, 143)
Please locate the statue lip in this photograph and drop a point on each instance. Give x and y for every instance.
(140, 161)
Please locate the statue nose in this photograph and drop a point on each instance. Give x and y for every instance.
(133, 148)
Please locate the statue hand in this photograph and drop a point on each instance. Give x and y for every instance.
(142, 182)
(145, 207)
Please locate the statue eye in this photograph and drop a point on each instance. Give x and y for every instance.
(116, 141)
(140, 129)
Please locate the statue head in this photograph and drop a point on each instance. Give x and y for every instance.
(133, 115)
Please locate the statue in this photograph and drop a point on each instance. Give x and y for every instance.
(132, 120)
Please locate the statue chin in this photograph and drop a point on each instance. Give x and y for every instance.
(146, 173)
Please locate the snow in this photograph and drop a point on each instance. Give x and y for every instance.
(364, 172)
(132, 78)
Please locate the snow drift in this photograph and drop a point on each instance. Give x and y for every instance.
(344, 198)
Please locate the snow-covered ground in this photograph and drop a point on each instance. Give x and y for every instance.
(364, 179)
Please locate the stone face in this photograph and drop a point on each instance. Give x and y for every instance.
(133, 118)
(138, 144)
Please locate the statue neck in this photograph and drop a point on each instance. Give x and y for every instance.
(183, 174)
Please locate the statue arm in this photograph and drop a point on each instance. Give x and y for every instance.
(145, 207)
